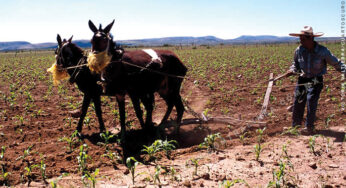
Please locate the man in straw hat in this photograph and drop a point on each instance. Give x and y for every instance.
(310, 61)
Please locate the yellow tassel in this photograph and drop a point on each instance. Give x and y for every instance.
(57, 74)
(97, 62)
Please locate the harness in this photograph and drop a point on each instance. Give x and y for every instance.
(76, 67)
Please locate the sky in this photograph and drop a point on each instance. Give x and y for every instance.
(38, 21)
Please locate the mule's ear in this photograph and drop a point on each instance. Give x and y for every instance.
(92, 26)
(58, 38)
(70, 39)
(109, 27)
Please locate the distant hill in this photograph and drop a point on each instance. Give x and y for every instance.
(261, 39)
(206, 40)
(211, 40)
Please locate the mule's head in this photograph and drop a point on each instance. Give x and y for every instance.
(102, 38)
(67, 54)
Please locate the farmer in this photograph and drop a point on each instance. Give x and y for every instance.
(310, 61)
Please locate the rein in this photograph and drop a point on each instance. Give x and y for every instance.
(151, 70)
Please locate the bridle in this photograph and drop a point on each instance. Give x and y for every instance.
(109, 40)
(64, 62)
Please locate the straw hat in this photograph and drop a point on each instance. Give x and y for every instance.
(307, 30)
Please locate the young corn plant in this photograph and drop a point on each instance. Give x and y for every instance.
(292, 131)
(328, 120)
(3, 175)
(113, 156)
(278, 177)
(92, 177)
(106, 137)
(153, 149)
(156, 176)
(72, 140)
(54, 183)
(173, 173)
(211, 142)
(228, 184)
(82, 158)
(28, 171)
(26, 153)
(2, 153)
(258, 149)
(242, 138)
(312, 144)
(132, 164)
(168, 146)
(286, 156)
(328, 145)
(193, 162)
(260, 134)
(43, 169)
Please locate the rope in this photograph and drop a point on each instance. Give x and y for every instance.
(137, 66)
(151, 70)
(77, 66)
(282, 86)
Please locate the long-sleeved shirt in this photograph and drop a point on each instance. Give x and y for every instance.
(312, 64)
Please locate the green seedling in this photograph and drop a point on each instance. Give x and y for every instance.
(72, 140)
(173, 173)
(168, 146)
(328, 120)
(292, 131)
(193, 162)
(260, 135)
(286, 156)
(312, 144)
(20, 120)
(114, 157)
(87, 121)
(242, 138)
(153, 149)
(278, 177)
(54, 183)
(328, 145)
(106, 137)
(228, 184)
(82, 158)
(156, 177)
(2, 153)
(92, 177)
(26, 153)
(131, 164)
(28, 171)
(258, 150)
(211, 142)
(43, 169)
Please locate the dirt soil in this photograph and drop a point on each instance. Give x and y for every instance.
(233, 158)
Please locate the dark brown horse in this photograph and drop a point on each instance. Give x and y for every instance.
(136, 73)
(68, 55)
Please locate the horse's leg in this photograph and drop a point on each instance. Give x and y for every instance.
(121, 104)
(148, 102)
(138, 110)
(170, 105)
(98, 110)
(179, 106)
(85, 105)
